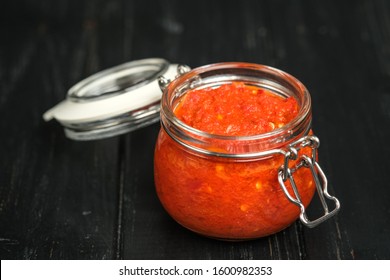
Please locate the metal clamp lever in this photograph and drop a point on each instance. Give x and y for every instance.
(285, 173)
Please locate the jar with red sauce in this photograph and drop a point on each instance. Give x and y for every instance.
(239, 164)
(237, 186)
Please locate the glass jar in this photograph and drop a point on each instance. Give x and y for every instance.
(238, 187)
(225, 187)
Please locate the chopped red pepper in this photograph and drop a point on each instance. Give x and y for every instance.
(236, 109)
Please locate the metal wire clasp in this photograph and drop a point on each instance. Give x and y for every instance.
(164, 82)
(286, 173)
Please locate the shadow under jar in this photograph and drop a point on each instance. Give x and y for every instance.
(239, 187)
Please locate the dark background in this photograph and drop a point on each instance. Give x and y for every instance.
(62, 199)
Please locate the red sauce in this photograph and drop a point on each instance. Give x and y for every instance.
(236, 109)
(221, 197)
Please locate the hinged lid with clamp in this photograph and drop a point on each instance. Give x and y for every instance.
(114, 101)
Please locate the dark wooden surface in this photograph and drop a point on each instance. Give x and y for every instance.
(61, 199)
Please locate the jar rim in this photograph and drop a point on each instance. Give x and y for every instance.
(303, 117)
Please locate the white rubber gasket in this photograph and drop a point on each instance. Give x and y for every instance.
(73, 111)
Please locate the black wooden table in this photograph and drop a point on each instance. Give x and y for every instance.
(63, 199)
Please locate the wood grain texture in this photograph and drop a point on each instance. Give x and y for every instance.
(61, 199)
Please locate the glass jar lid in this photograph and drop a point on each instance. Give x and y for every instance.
(114, 101)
